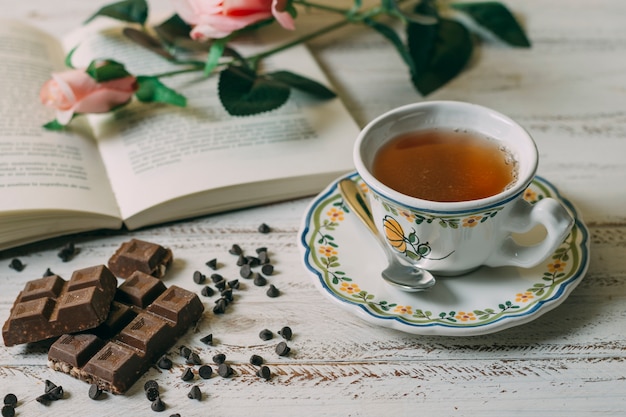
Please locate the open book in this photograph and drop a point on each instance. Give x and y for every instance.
(148, 164)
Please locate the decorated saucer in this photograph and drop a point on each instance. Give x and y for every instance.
(345, 263)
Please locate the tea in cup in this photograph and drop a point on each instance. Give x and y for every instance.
(446, 183)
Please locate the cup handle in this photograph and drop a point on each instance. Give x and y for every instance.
(522, 218)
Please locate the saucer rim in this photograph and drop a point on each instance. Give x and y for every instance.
(441, 329)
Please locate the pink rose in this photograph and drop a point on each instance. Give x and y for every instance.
(74, 91)
(219, 18)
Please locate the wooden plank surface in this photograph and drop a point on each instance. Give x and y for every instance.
(569, 90)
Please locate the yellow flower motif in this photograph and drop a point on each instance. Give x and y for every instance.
(463, 316)
(471, 221)
(407, 215)
(530, 195)
(335, 214)
(556, 266)
(349, 287)
(364, 187)
(394, 233)
(403, 310)
(524, 297)
(327, 251)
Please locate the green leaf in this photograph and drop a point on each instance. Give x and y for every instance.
(108, 70)
(68, 57)
(441, 57)
(302, 83)
(243, 93)
(214, 55)
(172, 29)
(54, 125)
(133, 11)
(395, 40)
(497, 19)
(151, 89)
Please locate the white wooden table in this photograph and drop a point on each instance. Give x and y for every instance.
(569, 90)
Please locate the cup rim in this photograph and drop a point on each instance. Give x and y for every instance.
(440, 206)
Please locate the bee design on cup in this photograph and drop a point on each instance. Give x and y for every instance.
(410, 244)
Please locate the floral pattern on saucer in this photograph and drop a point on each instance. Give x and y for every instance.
(344, 262)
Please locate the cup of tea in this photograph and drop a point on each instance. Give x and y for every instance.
(446, 186)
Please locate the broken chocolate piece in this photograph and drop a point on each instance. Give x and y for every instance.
(138, 336)
(50, 306)
(138, 255)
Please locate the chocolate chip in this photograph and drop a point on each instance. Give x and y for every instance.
(208, 339)
(8, 411)
(286, 332)
(241, 260)
(48, 273)
(184, 351)
(195, 393)
(234, 284)
(260, 280)
(94, 391)
(67, 252)
(219, 358)
(245, 271)
(56, 393)
(16, 264)
(207, 291)
(152, 393)
(260, 249)
(205, 371)
(235, 250)
(253, 261)
(224, 370)
(266, 334)
(256, 360)
(264, 258)
(49, 386)
(264, 372)
(151, 383)
(216, 277)
(263, 228)
(158, 405)
(227, 294)
(220, 306)
(212, 264)
(175, 415)
(267, 269)
(221, 285)
(282, 349)
(187, 375)
(10, 399)
(272, 291)
(193, 359)
(198, 277)
(165, 362)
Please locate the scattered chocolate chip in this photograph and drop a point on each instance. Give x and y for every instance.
(286, 332)
(193, 359)
(245, 271)
(219, 358)
(235, 250)
(241, 260)
(56, 393)
(187, 375)
(224, 370)
(253, 261)
(208, 339)
(49, 386)
(17, 265)
(195, 393)
(205, 371)
(263, 228)
(266, 334)
(260, 249)
(67, 252)
(165, 363)
(267, 269)
(10, 399)
(158, 405)
(282, 349)
(260, 280)
(48, 273)
(8, 411)
(216, 277)
(220, 306)
(227, 294)
(256, 360)
(264, 372)
(272, 291)
(198, 277)
(184, 351)
(212, 264)
(175, 415)
(221, 285)
(94, 391)
(234, 284)
(207, 291)
(264, 258)
(151, 383)
(152, 393)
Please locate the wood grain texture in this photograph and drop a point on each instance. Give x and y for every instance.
(569, 90)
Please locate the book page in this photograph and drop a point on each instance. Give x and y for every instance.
(157, 153)
(41, 170)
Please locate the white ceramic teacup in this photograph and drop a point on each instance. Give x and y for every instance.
(453, 238)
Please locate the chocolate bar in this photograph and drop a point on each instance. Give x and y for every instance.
(145, 320)
(138, 255)
(50, 306)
